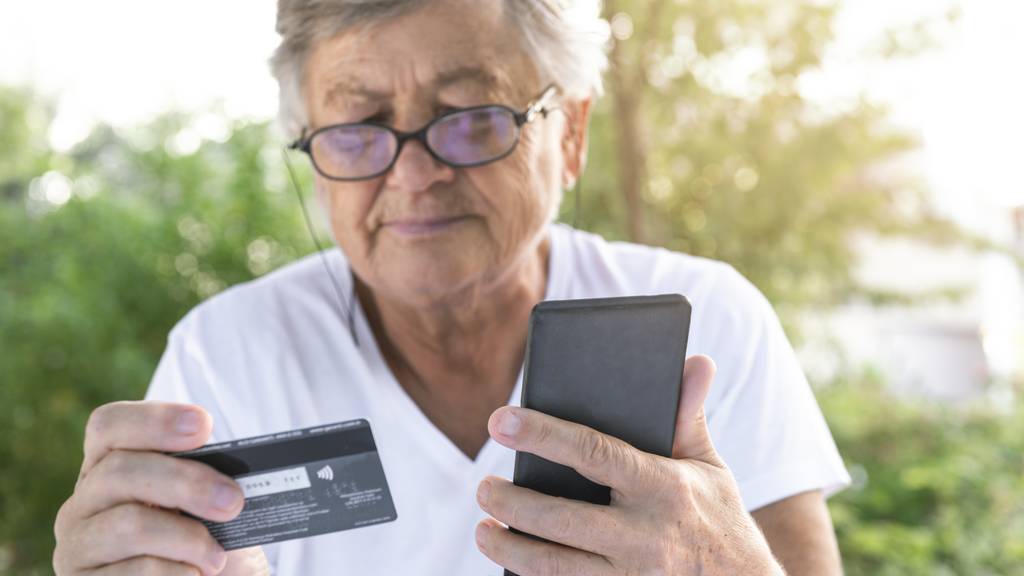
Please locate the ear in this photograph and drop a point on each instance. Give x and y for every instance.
(574, 139)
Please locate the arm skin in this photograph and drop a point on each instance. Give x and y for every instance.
(800, 535)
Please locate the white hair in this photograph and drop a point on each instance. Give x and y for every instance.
(565, 38)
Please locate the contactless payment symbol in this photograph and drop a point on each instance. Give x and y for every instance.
(325, 473)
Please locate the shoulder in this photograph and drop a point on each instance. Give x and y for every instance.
(730, 320)
(598, 267)
(252, 354)
(269, 305)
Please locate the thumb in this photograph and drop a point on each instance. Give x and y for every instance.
(693, 441)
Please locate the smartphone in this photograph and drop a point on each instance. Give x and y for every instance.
(614, 364)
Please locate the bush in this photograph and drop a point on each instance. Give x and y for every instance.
(89, 289)
(937, 490)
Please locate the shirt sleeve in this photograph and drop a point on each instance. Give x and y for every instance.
(762, 414)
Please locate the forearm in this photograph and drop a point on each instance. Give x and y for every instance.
(800, 534)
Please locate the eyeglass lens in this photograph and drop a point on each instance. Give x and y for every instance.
(464, 138)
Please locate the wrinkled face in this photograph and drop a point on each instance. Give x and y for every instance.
(424, 231)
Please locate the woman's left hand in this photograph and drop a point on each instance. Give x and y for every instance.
(681, 515)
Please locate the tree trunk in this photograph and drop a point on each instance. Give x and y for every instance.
(626, 82)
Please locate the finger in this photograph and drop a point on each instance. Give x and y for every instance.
(692, 439)
(145, 566)
(156, 426)
(601, 458)
(131, 530)
(574, 523)
(247, 562)
(529, 557)
(165, 481)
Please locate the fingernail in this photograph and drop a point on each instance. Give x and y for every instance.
(481, 533)
(188, 422)
(483, 492)
(225, 497)
(510, 424)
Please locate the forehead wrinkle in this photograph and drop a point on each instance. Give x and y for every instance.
(492, 79)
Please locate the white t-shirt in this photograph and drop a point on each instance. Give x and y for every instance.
(275, 354)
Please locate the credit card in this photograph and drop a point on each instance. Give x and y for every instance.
(300, 483)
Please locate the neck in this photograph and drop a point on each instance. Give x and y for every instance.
(480, 329)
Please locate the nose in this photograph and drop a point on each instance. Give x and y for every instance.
(416, 170)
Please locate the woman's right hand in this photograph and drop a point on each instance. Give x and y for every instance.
(123, 517)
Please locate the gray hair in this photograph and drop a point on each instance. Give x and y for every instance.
(565, 38)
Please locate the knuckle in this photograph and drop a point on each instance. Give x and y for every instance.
(130, 522)
(595, 447)
(544, 432)
(118, 466)
(682, 486)
(104, 419)
(194, 478)
(193, 483)
(515, 514)
(60, 522)
(59, 560)
(563, 522)
(98, 422)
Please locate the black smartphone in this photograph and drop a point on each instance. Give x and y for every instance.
(614, 364)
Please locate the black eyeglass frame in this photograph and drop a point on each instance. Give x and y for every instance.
(537, 106)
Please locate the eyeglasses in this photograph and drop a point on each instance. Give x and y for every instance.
(463, 138)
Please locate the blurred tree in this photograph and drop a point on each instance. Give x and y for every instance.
(707, 146)
(154, 221)
(24, 152)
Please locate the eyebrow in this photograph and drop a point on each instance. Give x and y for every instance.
(487, 78)
(350, 88)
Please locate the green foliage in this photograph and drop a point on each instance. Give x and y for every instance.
(937, 490)
(731, 161)
(90, 289)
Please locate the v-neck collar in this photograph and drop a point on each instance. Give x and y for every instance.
(406, 413)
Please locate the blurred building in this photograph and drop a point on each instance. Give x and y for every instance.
(950, 349)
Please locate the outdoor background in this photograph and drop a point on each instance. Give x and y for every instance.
(859, 160)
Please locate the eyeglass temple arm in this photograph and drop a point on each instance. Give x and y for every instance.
(299, 143)
(539, 106)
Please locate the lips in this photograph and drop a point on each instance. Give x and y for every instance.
(417, 227)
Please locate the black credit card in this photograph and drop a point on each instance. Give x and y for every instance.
(300, 483)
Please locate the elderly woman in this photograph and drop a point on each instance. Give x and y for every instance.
(443, 133)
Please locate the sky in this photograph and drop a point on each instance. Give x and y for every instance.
(123, 61)
(965, 101)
